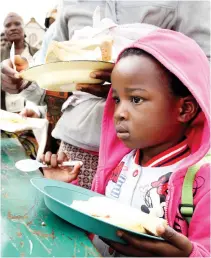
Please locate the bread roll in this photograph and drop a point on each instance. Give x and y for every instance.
(87, 49)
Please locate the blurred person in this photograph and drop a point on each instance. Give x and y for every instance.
(189, 17)
(3, 40)
(13, 29)
(155, 133)
(50, 18)
(14, 32)
(50, 25)
(53, 99)
(76, 15)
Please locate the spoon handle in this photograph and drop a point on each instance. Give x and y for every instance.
(72, 163)
(66, 163)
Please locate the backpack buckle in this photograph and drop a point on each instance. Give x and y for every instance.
(186, 209)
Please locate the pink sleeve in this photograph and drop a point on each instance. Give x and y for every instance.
(199, 228)
(74, 182)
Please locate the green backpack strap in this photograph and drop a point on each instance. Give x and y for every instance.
(187, 207)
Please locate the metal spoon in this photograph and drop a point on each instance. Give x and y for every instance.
(28, 165)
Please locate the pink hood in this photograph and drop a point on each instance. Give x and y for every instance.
(183, 57)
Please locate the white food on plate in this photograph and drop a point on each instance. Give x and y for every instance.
(118, 214)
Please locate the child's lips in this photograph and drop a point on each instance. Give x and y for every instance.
(122, 132)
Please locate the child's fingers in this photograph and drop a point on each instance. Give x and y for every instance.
(42, 158)
(175, 238)
(54, 162)
(61, 157)
(47, 158)
(74, 173)
(76, 168)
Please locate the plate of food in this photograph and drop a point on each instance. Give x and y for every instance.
(70, 63)
(95, 213)
(13, 122)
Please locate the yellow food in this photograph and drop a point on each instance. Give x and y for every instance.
(13, 120)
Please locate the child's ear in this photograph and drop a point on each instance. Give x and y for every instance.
(188, 109)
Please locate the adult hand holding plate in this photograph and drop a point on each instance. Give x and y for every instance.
(64, 76)
(97, 89)
(68, 65)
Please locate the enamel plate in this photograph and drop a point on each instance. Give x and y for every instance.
(58, 197)
(64, 76)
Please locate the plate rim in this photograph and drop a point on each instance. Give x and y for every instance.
(70, 61)
(119, 227)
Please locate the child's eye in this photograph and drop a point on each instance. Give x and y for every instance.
(116, 100)
(136, 100)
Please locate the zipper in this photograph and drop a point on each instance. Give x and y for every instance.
(167, 204)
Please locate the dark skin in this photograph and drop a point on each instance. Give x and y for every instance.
(97, 89)
(11, 81)
(13, 84)
(176, 244)
(140, 87)
(60, 173)
(13, 28)
(168, 114)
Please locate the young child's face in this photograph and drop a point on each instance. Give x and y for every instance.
(146, 112)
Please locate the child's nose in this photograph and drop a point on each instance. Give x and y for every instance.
(121, 113)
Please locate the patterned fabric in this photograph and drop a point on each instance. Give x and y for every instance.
(27, 140)
(90, 162)
(54, 101)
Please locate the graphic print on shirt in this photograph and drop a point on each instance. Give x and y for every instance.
(118, 178)
(155, 197)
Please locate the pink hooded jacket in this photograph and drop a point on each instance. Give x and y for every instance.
(183, 57)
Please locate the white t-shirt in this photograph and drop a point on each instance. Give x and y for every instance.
(144, 188)
(141, 187)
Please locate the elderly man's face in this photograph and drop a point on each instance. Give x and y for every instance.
(13, 28)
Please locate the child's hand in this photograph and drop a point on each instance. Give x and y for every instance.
(61, 173)
(176, 244)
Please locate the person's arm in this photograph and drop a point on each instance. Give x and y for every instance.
(39, 57)
(13, 84)
(34, 94)
(75, 15)
(193, 20)
(33, 110)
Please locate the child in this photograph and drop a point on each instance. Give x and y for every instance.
(160, 104)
